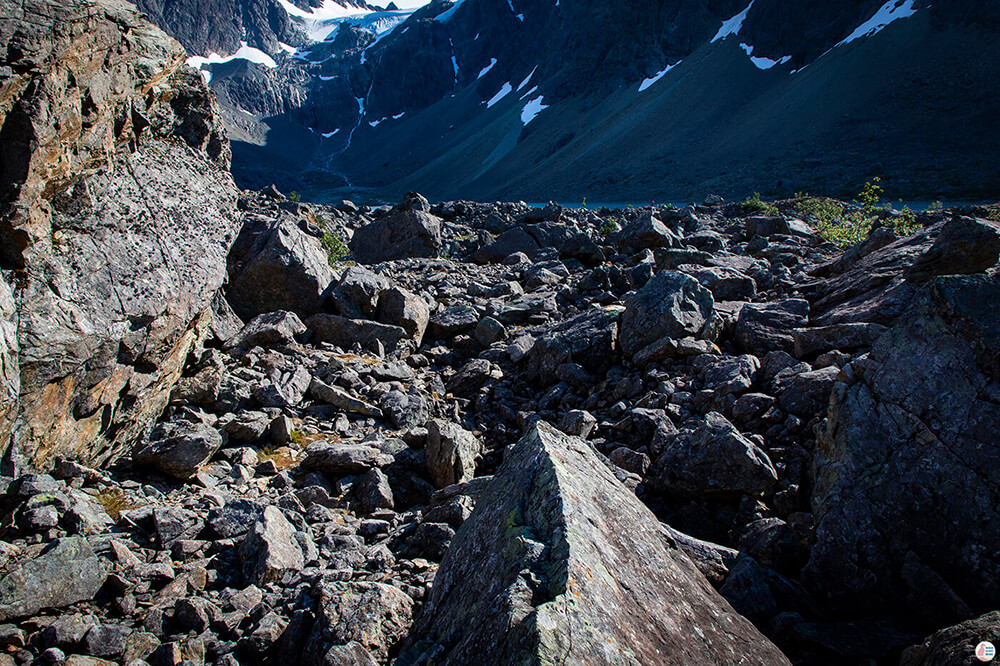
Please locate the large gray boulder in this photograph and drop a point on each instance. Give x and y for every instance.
(371, 616)
(338, 459)
(905, 468)
(646, 231)
(509, 242)
(275, 265)
(399, 307)
(764, 327)
(271, 328)
(357, 294)
(118, 214)
(181, 452)
(560, 563)
(343, 332)
(965, 246)
(589, 340)
(711, 459)
(671, 305)
(402, 235)
(65, 572)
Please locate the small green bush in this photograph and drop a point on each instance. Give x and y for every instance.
(294, 196)
(870, 192)
(845, 225)
(335, 248)
(905, 222)
(753, 205)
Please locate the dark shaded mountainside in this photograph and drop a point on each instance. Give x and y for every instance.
(629, 101)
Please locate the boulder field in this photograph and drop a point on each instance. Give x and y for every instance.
(242, 429)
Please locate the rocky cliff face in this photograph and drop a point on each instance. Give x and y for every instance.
(116, 215)
(206, 26)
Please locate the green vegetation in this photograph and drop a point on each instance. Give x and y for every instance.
(845, 225)
(294, 196)
(609, 227)
(298, 437)
(868, 197)
(905, 222)
(336, 249)
(755, 206)
(583, 204)
(935, 205)
(281, 456)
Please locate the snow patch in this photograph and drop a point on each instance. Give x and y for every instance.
(399, 115)
(520, 17)
(330, 9)
(887, 13)
(733, 25)
(245, 52)
(287, 48)
(656, 77)
(445, 16)
(321, 77)
(503, 92)
(762, 62)
(327, 135)
(527, 78)
(532, 109)
(482, 72)
(376, 123)
(529, 93)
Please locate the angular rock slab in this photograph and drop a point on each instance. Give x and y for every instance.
(64, 573)
(560, 563)
(671, 305)
(270, 549)
(954, 646)
(402, 235)
(906, 479)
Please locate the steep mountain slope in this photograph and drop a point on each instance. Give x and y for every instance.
(636, 100)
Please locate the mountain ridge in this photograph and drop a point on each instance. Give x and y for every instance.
(413, 107)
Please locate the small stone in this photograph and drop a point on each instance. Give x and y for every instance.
(452, 452)
(578, 422)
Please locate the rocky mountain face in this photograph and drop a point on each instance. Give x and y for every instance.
(648, 100)
(205, 27)
(117, 213)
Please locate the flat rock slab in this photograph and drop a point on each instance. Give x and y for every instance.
(61, 575)
(560, 563)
